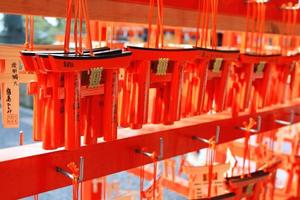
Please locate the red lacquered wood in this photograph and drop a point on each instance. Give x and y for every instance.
(110, 109)
(211, 54)
(139, 53)
(71, 65)
(38, 166)
(249, 58)
(72, 98)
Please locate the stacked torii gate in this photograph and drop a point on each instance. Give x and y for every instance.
(12, 75)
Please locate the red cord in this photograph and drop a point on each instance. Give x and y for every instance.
(198, 22)
(295, 15)
(254, 9)
(29, 28)
(214, 8)
(206, 22)
(246, 156)
(88, 27)
(77, 2)
(31, 33)
(142, 174)
(210, 159)
(158, 29)
(75, 172)
(150, 16)
(142, 177)
(257, 32)
(68, 26)
(247, 27)
(26, 32)
(154, 174)
(81, 12)
(162, 22)
(283, 36)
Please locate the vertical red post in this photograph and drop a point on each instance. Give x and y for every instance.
(110, 105)
(72, 103)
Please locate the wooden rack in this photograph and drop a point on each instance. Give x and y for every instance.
(28, 169)
(38, 165)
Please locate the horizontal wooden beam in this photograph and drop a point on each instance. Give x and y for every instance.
(115, 11)
(28, 169)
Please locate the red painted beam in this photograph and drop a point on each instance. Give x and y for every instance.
(228, 7)
(28, 170)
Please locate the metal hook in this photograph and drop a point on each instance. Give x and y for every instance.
(258, 126)
(69, 175)
(149, 154)
(292, 119)
(207, 140)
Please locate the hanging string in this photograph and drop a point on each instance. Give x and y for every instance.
(214, 8)
(255, 24)
(247, 27)
(253, 19)
(210, 158)
(26, 44)
(159, 35)
(81, 12)
(153, 156)
(154, 175)
(234, 166)
(204, 18)
(295, 15)
(289, 25)
(77, 2)
(284, 32)
(99, 32)
(150, 16)
(159, 29)
(212, 22)
(68, 26)
(289, 20)
(75, 172)
(206, 23)
(29, 33)
(106, 33)
(112, 33)
(207, 9)
(248, 127)
(161, 12)
(142, 177)
(88, 27)
(181, 165)
(258, 25)
(199, 17)
(262, 25)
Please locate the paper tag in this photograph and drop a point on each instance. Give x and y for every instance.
(217, 65)
(260, 67)
(95, 77)
(249, 189)
(10, 95)
(162, 66)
